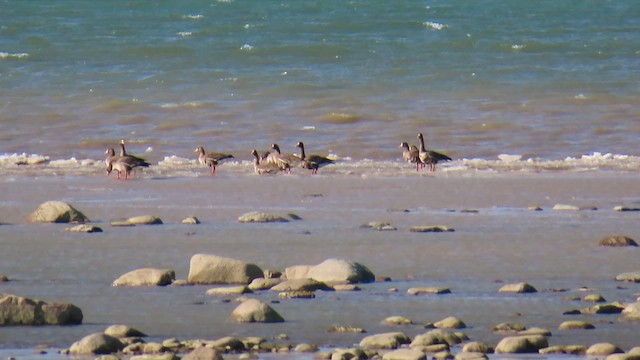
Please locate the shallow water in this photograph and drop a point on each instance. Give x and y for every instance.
(500, 243)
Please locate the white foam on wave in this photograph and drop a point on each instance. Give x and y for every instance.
(193, 17)
(184, 33)
(6, 55)
(23, 159)
(246, 47)
(434, 25)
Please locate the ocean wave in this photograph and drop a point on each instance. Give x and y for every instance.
(434, 25)
(193, 17)
(173, 165)
(6, 55)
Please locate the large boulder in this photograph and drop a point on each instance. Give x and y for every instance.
(600, 349)
(297, 272)
(341, 271)
(121, 331)
(98, 343)
(56, 212)
(146, 277)
(390, 340)
(254, 310)
(17, 310)
(522, 344)
(212, 269)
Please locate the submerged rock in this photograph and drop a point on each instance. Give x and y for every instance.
(56, 212)
(121, 331)
(431, 228)
(84, 228)
(260, 217)
(191, 220)
(519, 288)
(391, 340)
(377, 225)
(618, 240)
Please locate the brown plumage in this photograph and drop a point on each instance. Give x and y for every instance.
(411, 154)
(283, 161)
(211, 159)
(313, 162)
(262, 168)
(430, 157)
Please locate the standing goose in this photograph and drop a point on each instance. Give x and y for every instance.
(211, 159)
(125, 162)
(111, 154)
(411, 154)
(263, 167)
(430, 157)
(283, 161)
(313, 162)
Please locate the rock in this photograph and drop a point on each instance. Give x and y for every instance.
(153, 348)
(612, 308)
(565, 207)
(625, 208)
(573, 325)
(3, 278)
(190, 220)
(566, 349)
(634, 350)
(98, 343)
(305, 348)
(477, 347)
(346, 287)
(56, 212)
(521, 344)
(438, 336)
(341, 271)
(203, 353)
(84, 228)
(509, 328)
(428, 290)
(121, 331)
(603, 349)
(107, 357)
(297, 295)
(594, 298)
(535, 331)
(432, 228)
(348, 354)
(228, 343)
(146, 277)
(212, 269)
(301, 285)
(618, 240)
(534, 208)
(397, 320)
(143, 220)
(391, 340)
(346, 329)
(260, 217)
(253, 310)
(631, 311)
(450, 322)
(629, 277)
(471, 356)
(230, 290)
(404, 354)
(17, 310)
(263, 284)
(623, 357)
(297, 272)
(380, 226)
(163, 356)
(519, 288)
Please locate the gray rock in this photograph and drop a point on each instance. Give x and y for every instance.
(477, 347)
(509, 328)
(163, 356)
(84, 228)
(346, 329)
(564, 349)
(397, 320)
(522, 344)
(17, 310)
(260, 217)
(625, 208)
(603, 349)
(471, 356)
(629, 277)
(378, 225)
(98, 343)
(253, 310)
(203, 353)
(144, 220)
(56, 212)
(596, 298)
(618, 240)
(230, 290)
(121, 331)
(301, 285)
(437, 336)
(450, 322)
(146, 277)
(341, 271)
(263, 284)
(212, 269)
(623, 357)
(404, 354)
(536, 331)
(229, 343)
(297, 272)
(431, 228)
(518, 288)
(391, 340)
(305, 348)
(631, 311)
(428, 290)
(611, 308)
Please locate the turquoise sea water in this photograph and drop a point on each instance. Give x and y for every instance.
(542, 79)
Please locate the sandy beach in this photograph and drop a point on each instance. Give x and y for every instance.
(497, 240)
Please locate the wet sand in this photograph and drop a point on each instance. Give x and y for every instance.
(499, 242)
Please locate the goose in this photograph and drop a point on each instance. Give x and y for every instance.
(430, 157)
(211, 159)
(264, 167)
(111, 154)
(411, 154)
(122, 164)
(313, 162)
(131, 159)
(283, 161)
